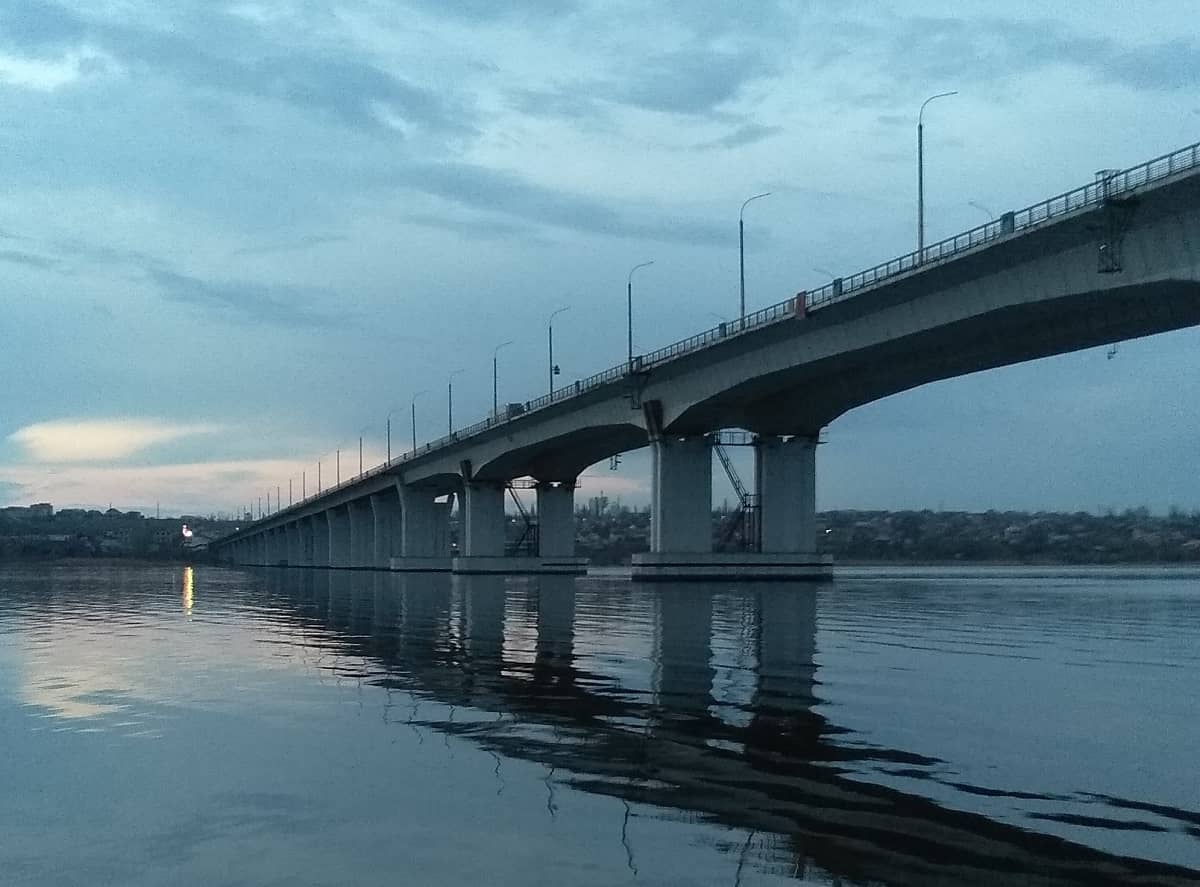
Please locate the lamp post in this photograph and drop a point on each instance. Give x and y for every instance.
(495, 377)
(983, 209)
(550, 336)
(742, 249)
(921, 171)
(629, 305)
(413, 407)
(450, 402)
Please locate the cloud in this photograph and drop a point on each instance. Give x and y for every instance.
(694, 80)
(495, 190)
(47, 75)
(474, 11)
(99, 440)
(286, 246)
(931, 50)
(747, 134)
(226, 56)
(263, 303)
(1164, 66)
(17, 257)
(181, 488)
(11, 492)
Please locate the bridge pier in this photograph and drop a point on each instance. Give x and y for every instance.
(362, 533)
(681, 514)
(424, 531)
(295, 545)
(785, 480)
(320, 537)
(339, 536)
(385, 510)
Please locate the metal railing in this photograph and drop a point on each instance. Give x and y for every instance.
(1106, 187)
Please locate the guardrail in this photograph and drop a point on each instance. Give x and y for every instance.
(1107, 186)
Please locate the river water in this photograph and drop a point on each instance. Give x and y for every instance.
(208, 726)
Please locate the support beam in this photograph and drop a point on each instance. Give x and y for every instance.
(388, 523)
(320, 533)
(339, 536)
(482, 521)
(556, 519)
(681, 515)
(304, 530)
(425, 528)
(295, 545)
(362, 533)
(785, 479)
(681, 495)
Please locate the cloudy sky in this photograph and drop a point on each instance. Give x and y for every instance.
(233, 236)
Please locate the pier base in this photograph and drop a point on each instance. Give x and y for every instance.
(652, 566)
(419, 564)
(574, 566)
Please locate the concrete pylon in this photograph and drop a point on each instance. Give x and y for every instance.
(681, 495)
(556, 519)
(424, 529)
(482, 520)
(339, 536)
(320, 533)
(362, 533)
(785, 479)
(388, 523)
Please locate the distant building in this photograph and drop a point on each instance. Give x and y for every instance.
(41, 510)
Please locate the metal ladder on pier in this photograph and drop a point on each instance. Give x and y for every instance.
(742, 529)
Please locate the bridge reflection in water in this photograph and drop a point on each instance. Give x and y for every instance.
(526, 677)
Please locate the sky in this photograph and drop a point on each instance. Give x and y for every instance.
(234, 237)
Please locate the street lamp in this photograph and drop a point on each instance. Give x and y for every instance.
(742, 248)
(450, 402)
(629, 304)
(979, 206)
(495, 384)
(413, 405)
(824, 271)
(388, 424)
(550, 335)
(921, 171)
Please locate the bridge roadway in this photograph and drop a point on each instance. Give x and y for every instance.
(1112, 260)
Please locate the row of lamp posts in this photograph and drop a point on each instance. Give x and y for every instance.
(554, 369)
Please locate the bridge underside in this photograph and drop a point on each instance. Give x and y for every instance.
(804, 400)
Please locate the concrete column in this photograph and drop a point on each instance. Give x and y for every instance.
(556, 520)
(294, 546)
(320, 534)
(425, 524)
(260, 548)
(339, 536)
(385, 508)
(362, 533)
(681, 495)
(482, 521)
(304, 533)
(785, 478)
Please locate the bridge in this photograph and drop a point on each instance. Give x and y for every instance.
(1115, 259)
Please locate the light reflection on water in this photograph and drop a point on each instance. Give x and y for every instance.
(902, 727)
